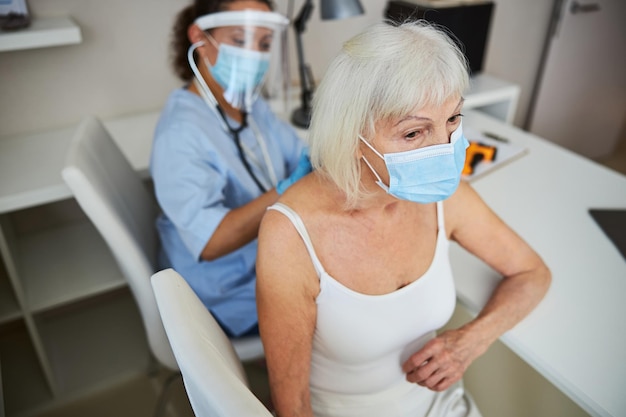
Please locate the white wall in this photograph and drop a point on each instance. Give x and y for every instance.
(517, 36)
(120, 67)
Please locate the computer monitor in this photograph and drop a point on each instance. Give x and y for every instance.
(469, 22)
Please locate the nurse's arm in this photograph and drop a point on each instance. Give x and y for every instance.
(239, 227)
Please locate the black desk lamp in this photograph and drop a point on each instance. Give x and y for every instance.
(330, 9)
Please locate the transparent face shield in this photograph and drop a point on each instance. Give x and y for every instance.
(248, 53)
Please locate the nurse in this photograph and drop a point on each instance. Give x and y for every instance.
(220, 157)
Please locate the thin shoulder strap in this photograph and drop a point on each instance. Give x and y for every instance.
(441, 224)
(299, 225)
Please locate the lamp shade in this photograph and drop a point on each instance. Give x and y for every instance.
(340, 9)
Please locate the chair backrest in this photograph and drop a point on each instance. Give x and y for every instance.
(116, 200)
(214, 378)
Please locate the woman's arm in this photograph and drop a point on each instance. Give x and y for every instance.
(286, 289)
(239, 227)
(525, 281)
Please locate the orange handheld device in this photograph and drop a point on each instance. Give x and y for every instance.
(475, 153)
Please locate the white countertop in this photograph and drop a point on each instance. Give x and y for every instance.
(30, 165)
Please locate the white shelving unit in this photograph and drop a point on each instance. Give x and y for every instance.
(92, 274)
(42, 33)
(68, 324)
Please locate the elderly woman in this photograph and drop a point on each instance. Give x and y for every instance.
(353, 272)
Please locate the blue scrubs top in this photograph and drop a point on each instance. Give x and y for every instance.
(198, 177)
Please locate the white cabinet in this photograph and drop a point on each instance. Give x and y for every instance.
(68, 324)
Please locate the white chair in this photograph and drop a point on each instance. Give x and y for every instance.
(117, 202)
(214, 378)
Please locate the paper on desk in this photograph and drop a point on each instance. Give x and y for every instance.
(506, 153)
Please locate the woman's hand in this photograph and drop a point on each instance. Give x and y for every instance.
(442, 361)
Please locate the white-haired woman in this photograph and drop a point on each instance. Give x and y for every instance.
(354, 278)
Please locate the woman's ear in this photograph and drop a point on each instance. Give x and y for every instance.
(359, 147)
(359, 152)
(195, 34)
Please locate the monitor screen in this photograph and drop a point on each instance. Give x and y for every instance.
(469, 22)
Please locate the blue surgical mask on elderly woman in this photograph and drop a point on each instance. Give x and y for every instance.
(424, 175)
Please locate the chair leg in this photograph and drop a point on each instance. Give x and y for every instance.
(163, 395)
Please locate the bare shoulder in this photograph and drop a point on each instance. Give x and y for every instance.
(282, 258)
(276, 232)
(464, 206)
(311, 196)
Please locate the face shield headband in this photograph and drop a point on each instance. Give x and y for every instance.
(244, 53)
(270, 20)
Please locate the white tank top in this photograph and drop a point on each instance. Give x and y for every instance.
(361, 341)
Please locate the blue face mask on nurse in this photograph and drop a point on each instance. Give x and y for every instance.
(242, 44)
(240, 70)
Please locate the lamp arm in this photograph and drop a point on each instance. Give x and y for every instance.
(304, 71)
(330, 10)
(306, 79)
(303, 16)
(302, 116)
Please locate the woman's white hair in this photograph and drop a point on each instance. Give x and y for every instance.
(385, 72)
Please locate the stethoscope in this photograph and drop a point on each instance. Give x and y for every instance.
(245, 154)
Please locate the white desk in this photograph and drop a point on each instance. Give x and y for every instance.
(576, 338)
